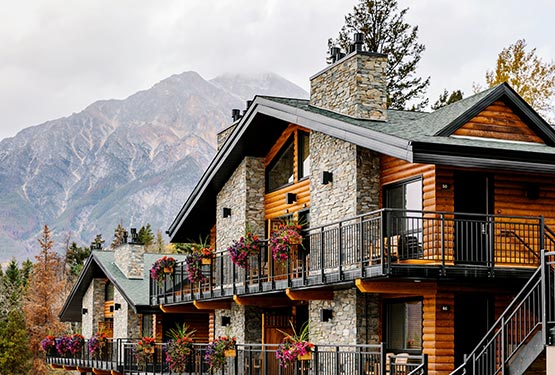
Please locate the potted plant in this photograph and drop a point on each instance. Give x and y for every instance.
(98, 345)
(218, 350)
(179, 349)
(144, 350)
(48, 344)
(283, 239)
(194, 268)
(294, 347)
(240, 250)
(162, 268)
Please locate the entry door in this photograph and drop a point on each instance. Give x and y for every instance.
(276, 324)
(473, 229)
(473, 318)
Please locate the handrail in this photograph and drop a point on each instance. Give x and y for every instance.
(521, 240)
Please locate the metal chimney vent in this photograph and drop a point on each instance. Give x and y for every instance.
(235, 114)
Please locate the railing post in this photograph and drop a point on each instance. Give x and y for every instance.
(233, 276)
(383, 219)
(545, 296)
(542, 233)
(222, 281)
(323, 277)
(383, 370)
(340, 250)
(425, 363)
(361, 246)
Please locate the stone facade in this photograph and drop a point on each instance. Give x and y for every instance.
(129, 259)
(356, 180)
(224, 135)
(127, 324)
(354, 86)
(93, 301)
(355, 319)
(244, 195)
(246, 323)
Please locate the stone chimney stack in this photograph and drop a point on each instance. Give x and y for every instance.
(354, 85)
(129, 258)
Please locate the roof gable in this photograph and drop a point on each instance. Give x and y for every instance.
(498, 121)
(500, 106)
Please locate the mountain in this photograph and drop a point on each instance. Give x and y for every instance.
(132, 161)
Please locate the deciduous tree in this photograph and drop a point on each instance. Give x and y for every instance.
(385, 31)
(528, 74)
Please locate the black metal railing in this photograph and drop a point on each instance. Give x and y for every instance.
(110, 358)
(375, 244)
(531, 313)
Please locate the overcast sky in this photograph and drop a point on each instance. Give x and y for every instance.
(58, 56)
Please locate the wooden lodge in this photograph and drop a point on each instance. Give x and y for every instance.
(423, 234)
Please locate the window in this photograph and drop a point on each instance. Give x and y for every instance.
(403, 325)
(406, 195)
(304, 155)
(295, 153)
(146, 325)
(282, 169)
(109, 292)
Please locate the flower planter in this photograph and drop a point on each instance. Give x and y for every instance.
(149, 350)
(168, 270)
(230, 353)
(305, 356)
(206, 261)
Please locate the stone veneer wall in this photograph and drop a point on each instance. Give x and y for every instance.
(354, 86)
(244, 194)
(356, 179)
(224, 135)
(246, 323)
(127, 324)
(93, 301)
(355, 319)
(129, 259)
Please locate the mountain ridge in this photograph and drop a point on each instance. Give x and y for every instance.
(132, 160)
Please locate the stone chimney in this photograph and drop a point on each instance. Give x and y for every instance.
(354, 85)
(129, 259)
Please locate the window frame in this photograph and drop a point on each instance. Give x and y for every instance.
(387, 331)
(289, 142)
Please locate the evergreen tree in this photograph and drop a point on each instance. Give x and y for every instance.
(15, 355)
(13, 286)
(44, 299)
(26, 270)
(118, 236)
(98, 243)
(532, 78)
(146, 236)
(76, 257)
(159, 245)
(445, 98)
(385, 31)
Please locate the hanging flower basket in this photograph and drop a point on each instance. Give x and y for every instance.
(180, 349)
(144, 350)
(294, 347)
(230, 353)
(283, 239)
(48, 344)
(69, 345)
(241, 250)
(98, 345)
(215, 354)
(162, 268)
(194, 268)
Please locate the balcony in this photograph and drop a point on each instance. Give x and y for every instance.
(386, 242)
(255, 359)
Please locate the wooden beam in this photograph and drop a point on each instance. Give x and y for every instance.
(97, 371)
(271, 301)
(70, 368)
(309, 295)
(189, 308)
(84, 369)
(212, 305)
(396, 287)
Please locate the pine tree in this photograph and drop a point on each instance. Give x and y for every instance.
(26, 270)
(98, 243)
(15, 356)
(146, 236)
(75, 258)
(445, 98)
(159, 245)
(118, 236)
(532, 78)
(385, 31)
(44, 298)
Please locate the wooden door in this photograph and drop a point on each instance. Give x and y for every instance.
(276, 324)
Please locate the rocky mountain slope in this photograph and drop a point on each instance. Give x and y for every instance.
(132, 161)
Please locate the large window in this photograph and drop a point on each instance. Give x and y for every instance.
(403, 325)
(406, 195)
(291, 163)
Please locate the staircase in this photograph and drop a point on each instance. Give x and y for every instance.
(520, 334)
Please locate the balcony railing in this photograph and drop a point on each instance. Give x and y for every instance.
(110, 359)
(259, 359)
(384, 242)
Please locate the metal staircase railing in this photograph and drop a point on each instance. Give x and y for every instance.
(531, 312)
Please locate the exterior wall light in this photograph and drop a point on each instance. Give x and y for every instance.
(326, 315)
(85, 311)
(290, 198)
(226, 212)
(226, 320)
(327, 177)
(117, 306)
